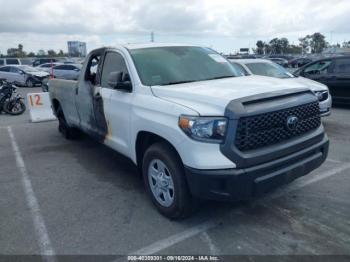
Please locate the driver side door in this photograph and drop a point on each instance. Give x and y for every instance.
(116, 104)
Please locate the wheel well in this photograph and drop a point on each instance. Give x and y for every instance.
(143, 141)
(55, 105)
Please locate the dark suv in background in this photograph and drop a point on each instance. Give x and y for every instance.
(333, 72)
(40, 61)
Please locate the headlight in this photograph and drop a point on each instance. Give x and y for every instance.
(205, 129)
(321, 95)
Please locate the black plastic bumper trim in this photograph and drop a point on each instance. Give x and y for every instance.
(239, 184)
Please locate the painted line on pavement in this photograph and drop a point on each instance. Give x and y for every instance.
(174, 239)
(43, 239)
(302, 183)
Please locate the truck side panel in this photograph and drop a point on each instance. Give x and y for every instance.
(64, 92)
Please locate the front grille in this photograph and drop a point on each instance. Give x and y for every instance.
(261, 130)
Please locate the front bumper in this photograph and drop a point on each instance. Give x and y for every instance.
(245, 183)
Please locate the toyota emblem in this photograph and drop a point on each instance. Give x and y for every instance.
(292, 123)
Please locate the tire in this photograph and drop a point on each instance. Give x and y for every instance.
(30, 83)
(181, 204)
(67, 132)
(14, 107)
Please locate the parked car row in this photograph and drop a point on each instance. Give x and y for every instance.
(268, 68)
(333, 72)
(24, 75)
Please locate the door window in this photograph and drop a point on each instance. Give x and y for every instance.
(342, 66)
(114, 62)
(92, 69)
(5, 69)
(1, 62)
(11, 61)
(318, 68)
(14, 70)
(64, 67)
(46, 65)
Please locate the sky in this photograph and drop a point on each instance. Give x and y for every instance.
(225, 25)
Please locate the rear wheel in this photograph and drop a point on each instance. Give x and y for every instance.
(165, 181)
(14, 107)
(63, 127)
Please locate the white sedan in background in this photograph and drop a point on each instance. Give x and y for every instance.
(268, 68)
(23, 75)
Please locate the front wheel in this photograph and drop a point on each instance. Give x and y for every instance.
(14, 107)
(30, 83)
(165, 181)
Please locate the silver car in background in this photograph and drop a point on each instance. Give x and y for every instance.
(67, 71)
(47, 66)
(23, 75)
(268, 68)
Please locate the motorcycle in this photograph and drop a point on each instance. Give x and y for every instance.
(10, 101)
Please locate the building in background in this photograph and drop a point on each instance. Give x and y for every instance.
(76, 48)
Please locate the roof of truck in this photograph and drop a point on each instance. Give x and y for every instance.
(150, 45)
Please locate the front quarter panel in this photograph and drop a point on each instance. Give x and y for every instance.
(158, 116)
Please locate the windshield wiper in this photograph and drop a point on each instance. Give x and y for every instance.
(220, 77)
(178, 82)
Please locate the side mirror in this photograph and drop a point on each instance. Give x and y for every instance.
(119, 80)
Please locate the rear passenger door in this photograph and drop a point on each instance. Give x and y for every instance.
(340, 79)
(17, 75)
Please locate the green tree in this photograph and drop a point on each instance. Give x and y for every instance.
(317, 43)
(346, 44)
(279, 45)
(51, 52)
(260, 47)
(304, 43)
(41, 52)
(284, 43)
(21, 53)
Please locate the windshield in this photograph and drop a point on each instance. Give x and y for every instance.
(28, 69)
(180, 64)
(269, 69)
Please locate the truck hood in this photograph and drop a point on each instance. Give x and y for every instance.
(211, 97)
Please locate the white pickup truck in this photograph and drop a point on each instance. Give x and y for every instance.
(192, 127)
